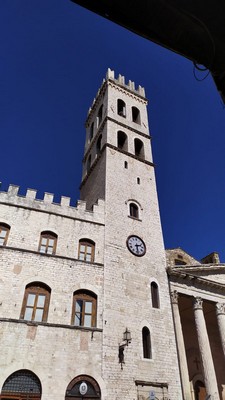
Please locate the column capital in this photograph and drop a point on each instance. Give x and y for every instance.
(198, 303)
(174, 297)
(220, 308)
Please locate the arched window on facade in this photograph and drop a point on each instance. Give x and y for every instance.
(48, 242)
(84, 308)
(4, 233)
(122, 140)
(36, 302)
(200, 391)
(91, 131)
(155, 295)
(99, 144)
(99, 116)
(22, 385)
(89, 163)
(86, 250)
(146, 342)
(121, 108)
(136, 115)
(139, 148)
(134, 210)
(84, 387)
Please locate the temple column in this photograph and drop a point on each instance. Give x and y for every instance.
(220, 312)
(181, 348)
(205, 351)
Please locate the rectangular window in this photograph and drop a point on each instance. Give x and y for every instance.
(4, 232)
(86, 251)
(47, 243)
(83, 314)
(35, 304)
(35, 307)
(84, 309)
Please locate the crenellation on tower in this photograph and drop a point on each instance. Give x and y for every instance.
(121, 81)
(31, 194)
(110, 77)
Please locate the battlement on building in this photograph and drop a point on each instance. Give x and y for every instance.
(110, 76)
(64, 208)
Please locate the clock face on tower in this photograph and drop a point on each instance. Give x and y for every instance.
(136, 245)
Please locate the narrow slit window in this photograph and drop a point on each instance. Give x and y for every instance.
(138, 181)
(146, 342)
(99, 144)
(125, 164)
(155, 295)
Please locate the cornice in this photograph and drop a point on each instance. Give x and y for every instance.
(183, 276)
(200, 268)
(128, 91)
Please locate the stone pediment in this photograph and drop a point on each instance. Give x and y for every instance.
(180, 257)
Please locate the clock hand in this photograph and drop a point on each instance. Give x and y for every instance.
(137, 245)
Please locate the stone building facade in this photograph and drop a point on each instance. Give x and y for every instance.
(85, 301)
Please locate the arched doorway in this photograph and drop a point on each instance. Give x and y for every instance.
(83, 387)
(200, 392)
(21, 385)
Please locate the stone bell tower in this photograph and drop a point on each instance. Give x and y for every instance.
(118, 168)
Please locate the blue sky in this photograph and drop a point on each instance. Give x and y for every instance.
(54, 55)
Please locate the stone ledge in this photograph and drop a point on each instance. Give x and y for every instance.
(51, 325)
(51, 255)
(147, 383)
